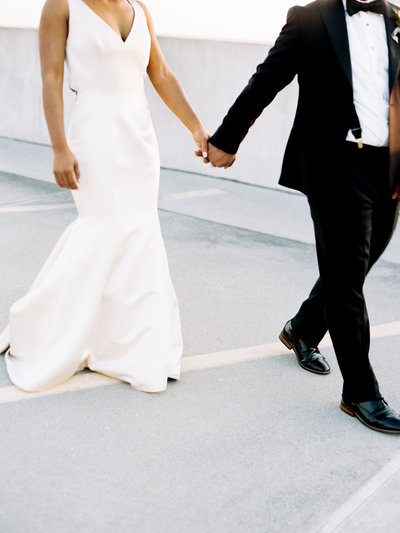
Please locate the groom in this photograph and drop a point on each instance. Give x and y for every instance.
(344, 155)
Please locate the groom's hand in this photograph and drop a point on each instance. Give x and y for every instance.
(396, 194)
(219, 158)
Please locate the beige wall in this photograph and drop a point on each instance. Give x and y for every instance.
(213, 73)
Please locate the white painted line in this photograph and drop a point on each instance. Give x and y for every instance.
(189, 364)
(81, 381)
(192, 194)
(25, 208)
(360, 498)
(232, 357)
(93, 380)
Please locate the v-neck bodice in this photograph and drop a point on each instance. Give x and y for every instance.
(98, 59)
(111, 27)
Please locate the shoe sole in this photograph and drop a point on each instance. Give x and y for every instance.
(290, 347)
(349, 412)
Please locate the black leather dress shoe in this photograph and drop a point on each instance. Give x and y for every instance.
(309, 358)
(375, 414)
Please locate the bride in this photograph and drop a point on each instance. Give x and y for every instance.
(104, 298)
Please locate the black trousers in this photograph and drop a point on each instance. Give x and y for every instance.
(352, 229)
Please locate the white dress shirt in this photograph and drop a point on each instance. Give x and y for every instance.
(370, 66)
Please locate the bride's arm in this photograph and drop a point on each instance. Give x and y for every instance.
(53, 31)
(171, 91)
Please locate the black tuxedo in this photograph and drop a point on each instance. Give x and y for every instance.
(314, 46)
(349, 190)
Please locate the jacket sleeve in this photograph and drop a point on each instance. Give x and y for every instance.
(271, 76)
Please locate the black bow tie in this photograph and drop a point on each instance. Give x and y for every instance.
(354, 6)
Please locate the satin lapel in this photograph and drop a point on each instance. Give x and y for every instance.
(333, 15)
(394, 48)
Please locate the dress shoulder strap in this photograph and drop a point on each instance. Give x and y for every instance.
(136, 5)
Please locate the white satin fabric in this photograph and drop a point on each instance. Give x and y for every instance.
(104, 298)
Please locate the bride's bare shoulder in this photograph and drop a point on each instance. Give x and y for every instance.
(54, 22)
(55, 9)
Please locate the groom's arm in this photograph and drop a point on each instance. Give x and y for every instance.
(277, 71)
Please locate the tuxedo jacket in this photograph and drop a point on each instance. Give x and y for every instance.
(314, 46)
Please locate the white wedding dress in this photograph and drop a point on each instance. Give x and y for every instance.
(104, 298)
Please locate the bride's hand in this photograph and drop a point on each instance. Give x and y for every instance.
(201, 137)
(66, 169)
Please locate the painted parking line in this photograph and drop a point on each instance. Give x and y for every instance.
(91, 380)
(81, 381)
(48, 207)
(362, 497)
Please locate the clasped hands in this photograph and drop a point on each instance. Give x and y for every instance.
(211, 154)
